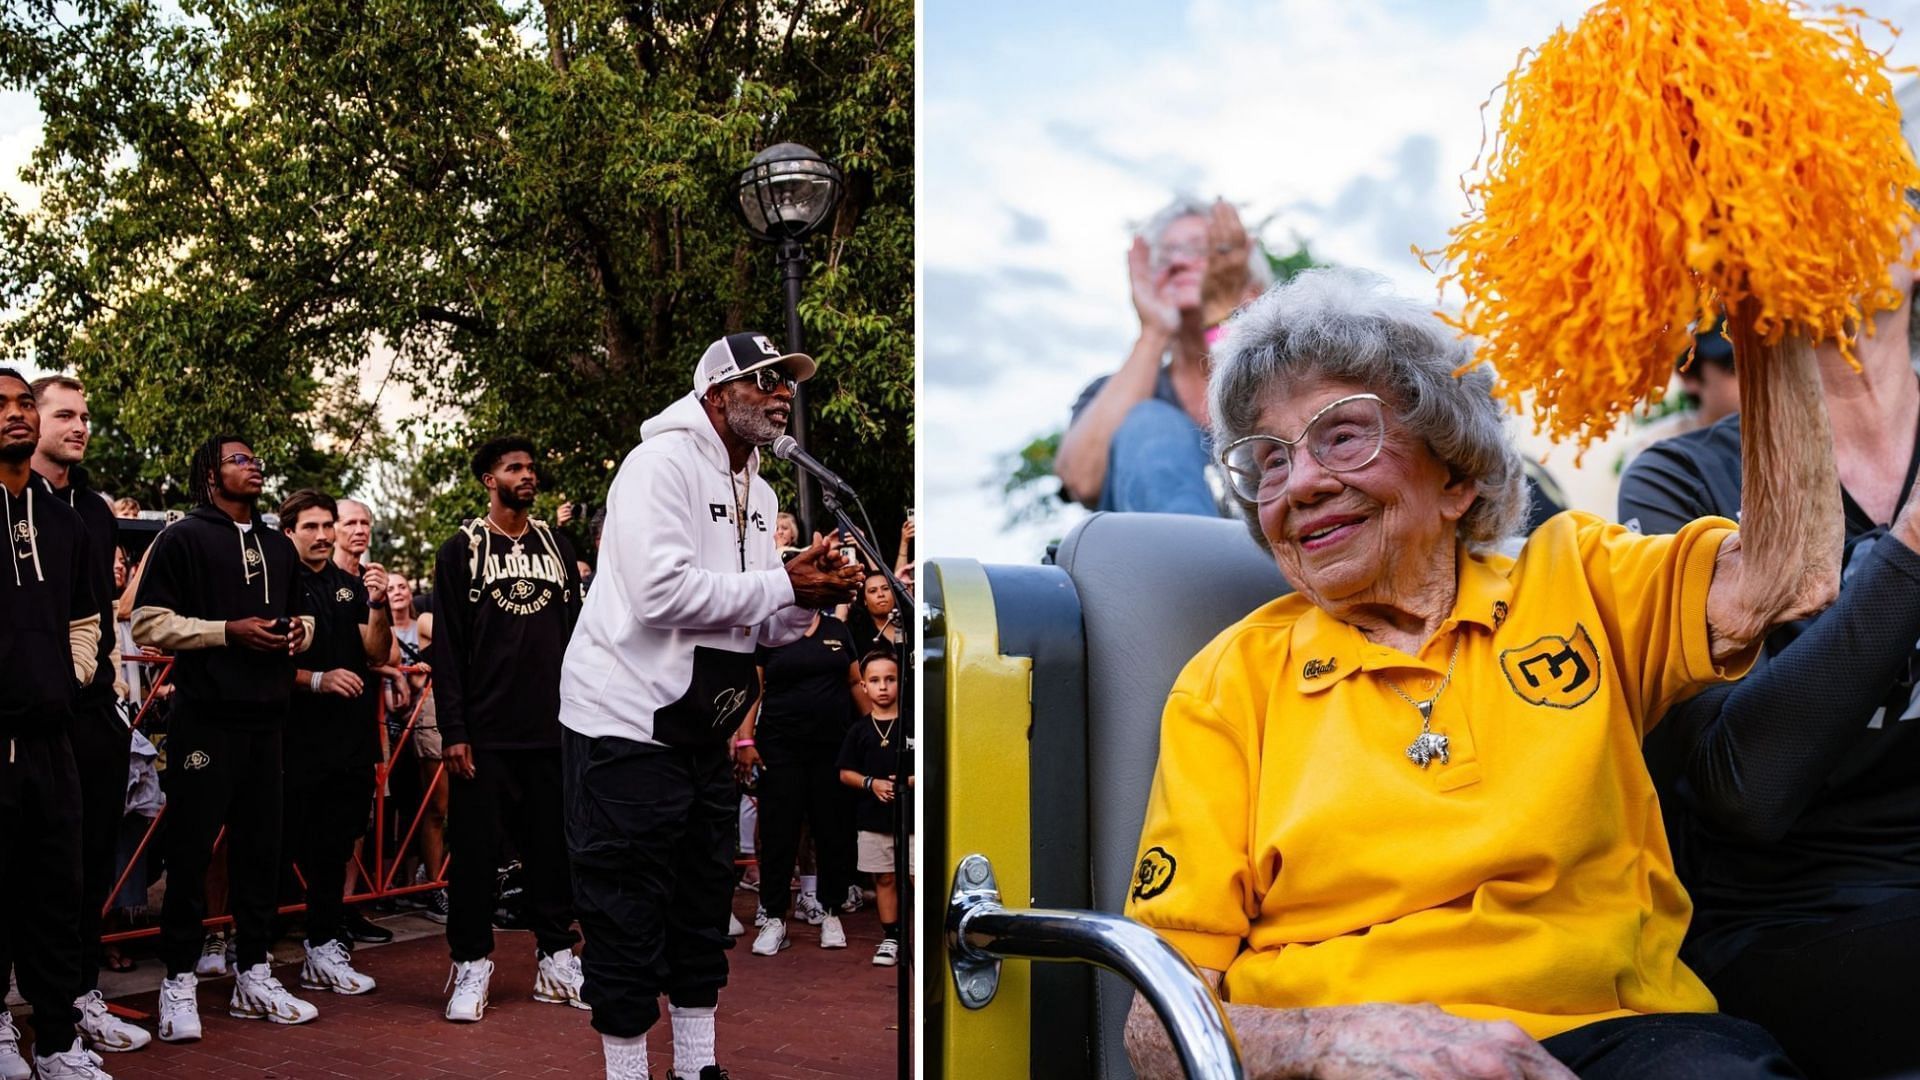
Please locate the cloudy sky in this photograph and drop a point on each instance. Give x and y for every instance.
(1047, 130)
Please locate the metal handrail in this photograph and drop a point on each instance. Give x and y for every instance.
(981, 932)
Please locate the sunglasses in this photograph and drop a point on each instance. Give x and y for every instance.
(771, 379)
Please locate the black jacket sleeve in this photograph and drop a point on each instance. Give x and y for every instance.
(1758, 750)
(452, 639)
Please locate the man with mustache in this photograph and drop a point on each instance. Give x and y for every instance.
(658, 677)
(100, 736)
(333, 740)
(219, 593)
(506, 594)
(49, 641)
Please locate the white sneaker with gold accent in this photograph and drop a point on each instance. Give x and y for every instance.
(559, 980)
(330, 967)
(103, 1030)
(257, 995)
(180, 1008)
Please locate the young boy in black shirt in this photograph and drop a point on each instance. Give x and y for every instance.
(868, 760)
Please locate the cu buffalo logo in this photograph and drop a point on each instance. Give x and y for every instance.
(1154, 875)
(343, 594)
(1557, 672)
(198, 760)
(253, 557)
(521, 589)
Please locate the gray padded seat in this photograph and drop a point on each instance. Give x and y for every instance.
(1154, 589)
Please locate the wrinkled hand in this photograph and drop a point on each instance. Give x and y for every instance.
(821, 578)
(1156, 312)
(459, 758)
(257, 633)
(374, 577)
(744, 760)
(1224, 287)
(1364, 1041)
(341, 683)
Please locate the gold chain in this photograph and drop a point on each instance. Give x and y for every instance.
(1426, 707)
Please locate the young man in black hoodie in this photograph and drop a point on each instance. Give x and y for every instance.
(506, 594)
(333, 739)
(100, 735)
(220, 592)
(49, 637)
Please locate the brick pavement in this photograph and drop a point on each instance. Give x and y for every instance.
(807, 1013)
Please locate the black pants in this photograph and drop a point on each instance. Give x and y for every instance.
(651, 832)
(326, 813)
(101, 742)
(1670, 1046)
(514, 794)
(220, 774)
(801, 783)
(1841, 996)
(40, 878)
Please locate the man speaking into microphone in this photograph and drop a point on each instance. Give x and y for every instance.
(658, 675)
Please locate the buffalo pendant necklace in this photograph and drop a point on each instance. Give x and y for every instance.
(1429, 744)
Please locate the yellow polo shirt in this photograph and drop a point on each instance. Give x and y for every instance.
(1291, 843)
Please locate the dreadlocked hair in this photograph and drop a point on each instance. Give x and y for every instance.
(206, 462)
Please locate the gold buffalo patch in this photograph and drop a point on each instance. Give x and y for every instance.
(1554, 671)
(1154, 875)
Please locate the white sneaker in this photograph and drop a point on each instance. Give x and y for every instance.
(759, 916)
(257, 995)
(807, 907)
(772, 938)
(832, 936)
(12, 1065)
(734, 927)
(180, 1008)
(214, 954)
(105, 1031)
(558, 980)
(855, 900)
(330, 967)
(469, 984)
(888, 954)
(78, 1063)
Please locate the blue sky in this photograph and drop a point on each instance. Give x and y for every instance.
(1047, 131)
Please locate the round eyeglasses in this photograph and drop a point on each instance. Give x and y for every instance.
(1343, 436)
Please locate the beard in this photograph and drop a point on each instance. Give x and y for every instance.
(14, 453)
(513, 500)
(750, 422)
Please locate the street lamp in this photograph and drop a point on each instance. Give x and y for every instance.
(786, 195)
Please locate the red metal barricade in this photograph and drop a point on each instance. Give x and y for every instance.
(378, 879)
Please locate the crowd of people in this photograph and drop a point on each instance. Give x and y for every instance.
(1620, 797)
(597, 739)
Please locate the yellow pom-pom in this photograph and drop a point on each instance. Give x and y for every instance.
(1661, 162)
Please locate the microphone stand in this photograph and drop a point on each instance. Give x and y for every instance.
(902, 794)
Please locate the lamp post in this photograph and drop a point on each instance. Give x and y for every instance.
(786, 195)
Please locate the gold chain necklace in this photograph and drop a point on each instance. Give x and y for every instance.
(886, 737)
(1429, 744)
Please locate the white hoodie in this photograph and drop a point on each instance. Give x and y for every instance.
(663, 651)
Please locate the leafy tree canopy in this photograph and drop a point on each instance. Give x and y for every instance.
(517, 212)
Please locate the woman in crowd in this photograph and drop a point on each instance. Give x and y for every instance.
(1791, 792)
(793, 736)
(1401, 816)
(872, 619)
(412, 633)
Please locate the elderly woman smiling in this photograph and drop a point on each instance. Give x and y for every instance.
(1400, 817)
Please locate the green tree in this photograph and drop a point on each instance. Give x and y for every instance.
(515, 212)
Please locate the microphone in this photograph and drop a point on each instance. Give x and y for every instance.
(786, 448)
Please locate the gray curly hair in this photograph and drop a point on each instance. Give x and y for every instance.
(1344, 324)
